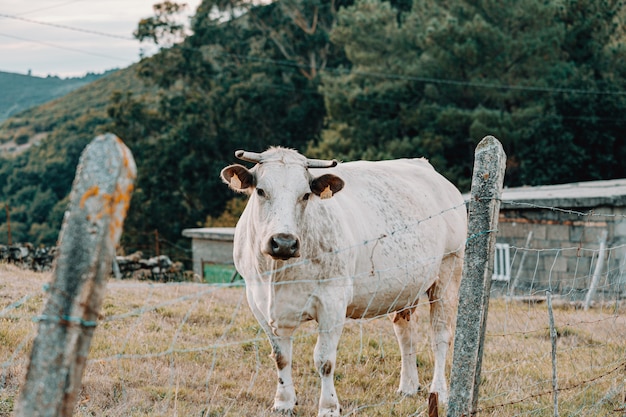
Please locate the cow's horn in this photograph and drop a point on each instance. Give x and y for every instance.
(248, 156)
(320, 163)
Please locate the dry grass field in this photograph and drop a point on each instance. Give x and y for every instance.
(195, 350)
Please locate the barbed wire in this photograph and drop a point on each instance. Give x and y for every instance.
(590, 213)
(158, 301)
(550, 392)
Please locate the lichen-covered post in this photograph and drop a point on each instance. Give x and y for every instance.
(91, 229)
(483, 208)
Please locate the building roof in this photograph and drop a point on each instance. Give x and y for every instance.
(577, 194)
(211, 233)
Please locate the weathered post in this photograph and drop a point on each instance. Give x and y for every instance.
(483, 208)
(553, 340)
(597, 271)
(91, 230)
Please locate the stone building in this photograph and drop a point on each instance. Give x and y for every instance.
(549, 238)
(210, 245)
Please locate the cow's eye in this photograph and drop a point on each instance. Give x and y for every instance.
(306, 196)
(260, 192)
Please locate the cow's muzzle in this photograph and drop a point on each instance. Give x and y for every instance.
(283, 246)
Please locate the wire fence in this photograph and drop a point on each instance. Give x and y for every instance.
(195, 349)
(190, 349)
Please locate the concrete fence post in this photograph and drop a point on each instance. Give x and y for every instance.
(483, 208)
(91, 230)
(597, 271)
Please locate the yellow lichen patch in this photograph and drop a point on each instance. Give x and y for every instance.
(129, 191)
(127, 158)
(116, 207)
(91, 192)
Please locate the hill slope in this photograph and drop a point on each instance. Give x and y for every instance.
(39, 150)
(24, 129)
(21, 92)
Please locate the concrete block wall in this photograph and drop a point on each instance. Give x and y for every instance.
(563, 250)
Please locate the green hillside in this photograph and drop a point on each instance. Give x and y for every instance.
(21, 92)
(39, 151)
(21, 130)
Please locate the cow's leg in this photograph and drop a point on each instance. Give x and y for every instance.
(285, 398)
(443, 296)
(325, 359)
(404, 327)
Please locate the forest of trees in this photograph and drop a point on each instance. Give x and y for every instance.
(365, 79)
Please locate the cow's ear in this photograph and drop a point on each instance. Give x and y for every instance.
(238, 178)
(327, 185)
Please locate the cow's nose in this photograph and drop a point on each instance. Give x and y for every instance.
(284, 246)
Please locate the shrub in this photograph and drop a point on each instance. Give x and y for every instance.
(22, 135)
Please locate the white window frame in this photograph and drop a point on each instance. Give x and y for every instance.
(502, 263)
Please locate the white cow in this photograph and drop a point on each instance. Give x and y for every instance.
(357, 240)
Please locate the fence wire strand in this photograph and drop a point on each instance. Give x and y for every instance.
(195, 349)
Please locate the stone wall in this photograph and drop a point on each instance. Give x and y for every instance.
(563, 250)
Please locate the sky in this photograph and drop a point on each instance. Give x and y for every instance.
(69, 38)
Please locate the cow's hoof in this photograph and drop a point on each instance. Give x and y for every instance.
(284, 411)
(329, 412)
(284, 408)
(409, 392)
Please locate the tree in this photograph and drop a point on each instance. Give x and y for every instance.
(369, 79)
(241, 81)
(163, 27)
(580, 137)
(435, 79)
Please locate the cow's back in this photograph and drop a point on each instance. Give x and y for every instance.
(399, 197)
(402, 218)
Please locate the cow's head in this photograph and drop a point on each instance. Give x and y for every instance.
(280, 188)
